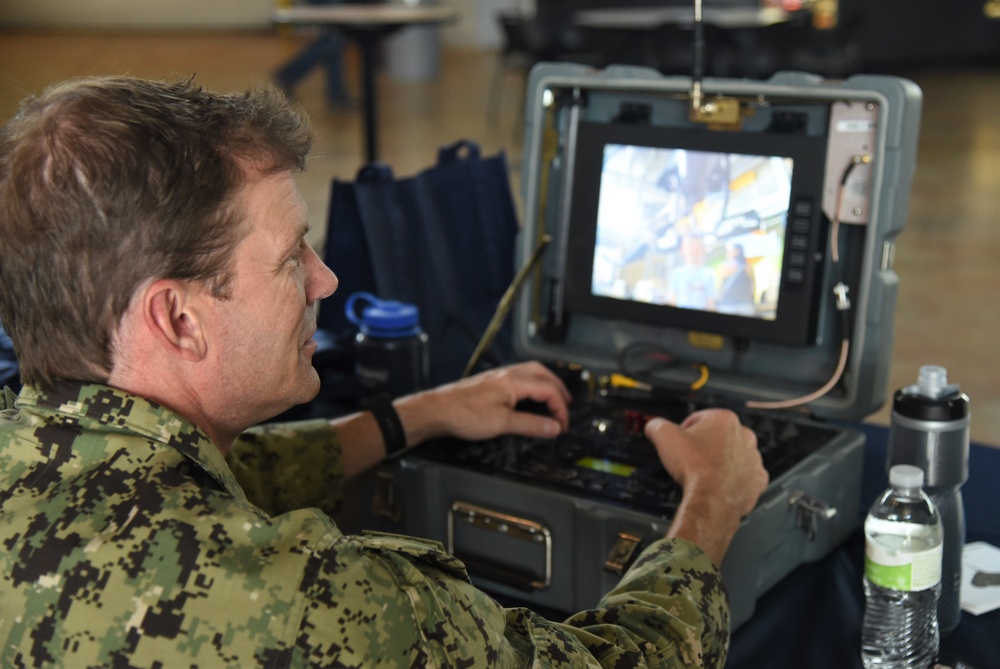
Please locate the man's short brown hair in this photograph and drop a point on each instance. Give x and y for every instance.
(109, 183)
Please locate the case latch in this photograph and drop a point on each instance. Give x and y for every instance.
(385, 502)
(808, 511)
(622, 553)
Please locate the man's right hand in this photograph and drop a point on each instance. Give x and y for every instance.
(716, 462)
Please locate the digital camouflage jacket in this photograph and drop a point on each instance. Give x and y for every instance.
(127, 540)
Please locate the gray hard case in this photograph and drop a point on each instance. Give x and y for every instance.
(566, 547)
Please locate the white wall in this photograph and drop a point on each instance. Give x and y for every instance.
(137, 13)
(475, 28)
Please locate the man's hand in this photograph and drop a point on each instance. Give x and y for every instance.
(716, 461)
(476, 408)
(485, 406)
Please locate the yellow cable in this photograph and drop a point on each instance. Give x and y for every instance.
(622, 381)
(702, 379)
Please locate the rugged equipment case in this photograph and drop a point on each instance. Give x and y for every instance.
(558, 550)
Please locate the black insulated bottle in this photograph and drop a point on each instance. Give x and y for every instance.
(930, 430)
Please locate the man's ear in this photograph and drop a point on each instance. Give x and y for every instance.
(172, 314)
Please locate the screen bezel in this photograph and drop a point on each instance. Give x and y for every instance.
(795, 319)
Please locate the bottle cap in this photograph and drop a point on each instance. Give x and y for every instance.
(906, 476)
(932, 382)
(385, 319)
(932, 398)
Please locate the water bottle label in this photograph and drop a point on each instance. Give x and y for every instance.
(902, 571)
(371, 376)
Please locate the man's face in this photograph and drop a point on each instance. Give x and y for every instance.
(693, 250)
(262, 332)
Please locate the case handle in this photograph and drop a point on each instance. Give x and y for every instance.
(520, 529)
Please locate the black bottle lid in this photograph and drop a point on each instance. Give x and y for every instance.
(953, 406)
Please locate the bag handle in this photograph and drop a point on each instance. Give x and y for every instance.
(374, 172)
(463, 149)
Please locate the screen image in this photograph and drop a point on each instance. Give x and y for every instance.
(692, 229)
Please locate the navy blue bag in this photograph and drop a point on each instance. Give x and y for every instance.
(9, 369)
(442, 239)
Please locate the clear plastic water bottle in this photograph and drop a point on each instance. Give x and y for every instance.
(902, 580)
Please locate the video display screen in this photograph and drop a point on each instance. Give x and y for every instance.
(692, 229)
(708, 231)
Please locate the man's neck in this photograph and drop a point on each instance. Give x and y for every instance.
(182, 400)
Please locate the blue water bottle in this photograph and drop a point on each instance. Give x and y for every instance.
(391, 350)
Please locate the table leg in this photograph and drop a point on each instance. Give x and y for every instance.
(368, 44)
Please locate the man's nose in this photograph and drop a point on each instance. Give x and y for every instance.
(322, 282)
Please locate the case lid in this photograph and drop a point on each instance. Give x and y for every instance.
(740, 250)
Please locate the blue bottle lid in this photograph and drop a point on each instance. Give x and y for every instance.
(383, 319)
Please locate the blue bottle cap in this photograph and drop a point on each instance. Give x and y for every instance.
(384, 319)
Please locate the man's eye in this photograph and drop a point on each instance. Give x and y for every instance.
(298, 254)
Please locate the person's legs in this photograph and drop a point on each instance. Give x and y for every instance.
(326, 50)
(333, 62)
(289, 74)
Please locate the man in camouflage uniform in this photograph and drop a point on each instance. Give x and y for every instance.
(160, 294)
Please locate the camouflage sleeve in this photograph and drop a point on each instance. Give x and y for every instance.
(417, 608)
(676, 607)
(287, 466)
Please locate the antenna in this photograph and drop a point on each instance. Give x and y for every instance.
(698, 68)
(720, 111)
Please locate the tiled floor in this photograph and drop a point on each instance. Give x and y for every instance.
(948, 257)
